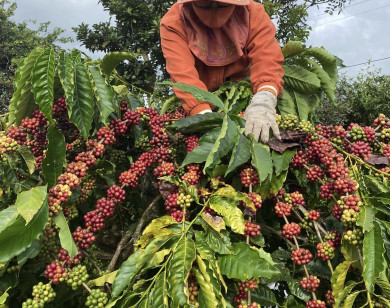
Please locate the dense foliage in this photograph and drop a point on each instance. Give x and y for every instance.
(106, 202)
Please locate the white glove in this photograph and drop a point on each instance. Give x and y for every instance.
(205, 111)
(260, 116)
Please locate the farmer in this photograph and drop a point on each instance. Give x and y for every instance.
(206, 43)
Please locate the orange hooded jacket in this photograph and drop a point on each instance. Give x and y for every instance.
(262, 59)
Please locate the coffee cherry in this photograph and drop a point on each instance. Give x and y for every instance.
(118, 127)
(310, 284)
(299, 160)
(355, 237)
(193, 291)
(97, 299)
(240, 296)
(88, 158)
(77, 276)
(55, 272)
(289, 122)
(192, 142)
(251, 229)
(329, 298)
(291, 230)
(165, 169)
(249, 177)
(301, 256)
(83, 237)
(64, 256)
(334, 238)
(107, 134)
(350, 202)
(306, 126)
(128, 178)
(282, 208)
(116, 193)
(360, 149)
(171, 202)
(327, 190)
(325, 251)
(94, 220)
(294, 198)
(178, 216)
(256, 199)
(184, 200)
(248, 285)
(337, 212)
(315, 304)
(315, 173)
(131, 118)
(313, 215)
(349, 217)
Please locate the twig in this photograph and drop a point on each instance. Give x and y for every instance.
(267, 228)
(86, 287)
(91, 260)
(118, 250)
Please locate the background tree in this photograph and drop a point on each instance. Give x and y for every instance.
(16, 41)
(136, 29)
(358, 100)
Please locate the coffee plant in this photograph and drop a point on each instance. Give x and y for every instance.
(107, 202)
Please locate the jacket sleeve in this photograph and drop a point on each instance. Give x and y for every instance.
(180, 64)
(264, 52)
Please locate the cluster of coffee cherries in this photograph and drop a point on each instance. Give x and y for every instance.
(251, 229)
(77, 276)
(249, 177)
(315, 304)
(193, 291)
(7, 146)
(243, 287)
(96, 299)
(42, 294)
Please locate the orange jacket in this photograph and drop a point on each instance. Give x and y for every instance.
(262, 59)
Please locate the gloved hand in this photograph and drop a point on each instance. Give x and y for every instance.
(205, 111)
(260, 116)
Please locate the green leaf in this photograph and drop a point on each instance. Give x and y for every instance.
(247, 263)
(327, 60)
(206, 142)
(199, 94)
(292, 48)
(366, 217)
(296, 290)
(8, 217)
(52, 164)
(338, 277)
(66, 74)
(264, 296)
(22, 101)
(28, 158)
(286, 104)
(156, 229)
(81, 108)
(29, 202)
(300, 79)
(102, 280)
(4, 296)
(231, 214)
(223, 144)
(104, 94)
(179, 270)
(31, 252)
(327, 84)
(206, 292)
(291, 302)
(112, 59)
(241, 153)
(160, 292)
(344, 293)
(351, 299)
(43, 82)
(272, 184)
(385, 286)
(373, 256)
(281, 162)
(378, 184)
(218, 242)
(198, 123)
(66, 238)
(304, 105)
(134, 265)
(261, 160)
(215, 222)
(17, 237)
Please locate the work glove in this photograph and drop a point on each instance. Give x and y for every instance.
(260, 116)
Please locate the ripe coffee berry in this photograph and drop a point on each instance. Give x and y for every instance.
(256, 199)
(315, 173)
(360, 149)
(291, 230)
(337, 212)
(55, 272)
(240, 296)
(64, 256)
(282, 208)
(299, 160)
(248, 285)
(310, 284)
(301, 256)
(350, 202)
(178, 216)
(116, 193)
(165, 169)
(128, 178)
(249, 177)
(97, 299)
(171, 202)
(313, 215)
(118, 126)
(83, 237)
(107, 134)
(131, 118)
(329, 298)
(327, 190)
(251, 229)
(315, 304)
(295, 198)
(192, 142)
(94, 220)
